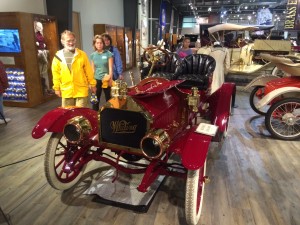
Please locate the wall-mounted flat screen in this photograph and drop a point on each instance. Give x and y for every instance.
(9, 40)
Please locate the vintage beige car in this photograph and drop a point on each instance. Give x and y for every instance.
(246, 58)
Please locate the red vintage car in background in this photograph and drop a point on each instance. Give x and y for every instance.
(153, 120)
(281, 97)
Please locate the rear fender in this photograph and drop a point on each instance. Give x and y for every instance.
(219, 105)
(260, 81)
(55, 120)
(294, 91)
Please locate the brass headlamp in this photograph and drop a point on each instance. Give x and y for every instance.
(76, 129)
(155, 143)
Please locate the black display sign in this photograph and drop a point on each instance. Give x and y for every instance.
(122, 127)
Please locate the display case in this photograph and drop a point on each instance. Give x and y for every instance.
(17, 86)
(168, 41)
(26, 54)
(121, 45)
(137, 47)
(118, 38)
(128, 47)
(174, 39)
(105, 28)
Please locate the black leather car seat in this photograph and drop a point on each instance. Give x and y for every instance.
(196, 70)
(166, 71)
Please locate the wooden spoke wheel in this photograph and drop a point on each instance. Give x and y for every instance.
(60, 172)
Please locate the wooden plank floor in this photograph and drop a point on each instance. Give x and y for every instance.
(254, 180)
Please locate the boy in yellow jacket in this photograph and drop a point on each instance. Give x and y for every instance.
(72, 73)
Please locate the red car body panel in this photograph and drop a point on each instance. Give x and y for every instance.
(192, 147)
(219, 104)
(55, 120)
(293, 81)
(166, 109)
(157, 85)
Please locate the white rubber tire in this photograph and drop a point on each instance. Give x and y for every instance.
(49, 165)
(192, 204)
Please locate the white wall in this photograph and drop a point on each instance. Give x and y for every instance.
(194, 30)
(29, 6)
(97, 12)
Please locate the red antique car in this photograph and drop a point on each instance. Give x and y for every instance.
(152, 120)
(282, 96)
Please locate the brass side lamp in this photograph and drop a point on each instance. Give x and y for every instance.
(193, 99)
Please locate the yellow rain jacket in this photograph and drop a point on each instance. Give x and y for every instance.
(74, 83)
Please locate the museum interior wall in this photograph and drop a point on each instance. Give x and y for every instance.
(30, 28)
(95, 13)
(30, 6)
(90, 13)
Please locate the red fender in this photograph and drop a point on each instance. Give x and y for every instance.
(219, 103)
(195, 150)
(55, 120)
(192, 147)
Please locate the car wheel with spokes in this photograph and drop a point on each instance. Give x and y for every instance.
(283, 119)
(59, 171)
(194, 194)
(256, 95)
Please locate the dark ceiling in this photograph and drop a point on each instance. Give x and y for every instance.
(204, 8)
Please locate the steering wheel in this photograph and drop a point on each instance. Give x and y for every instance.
(156, 56)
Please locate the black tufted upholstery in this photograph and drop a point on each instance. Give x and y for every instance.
(196, 70)
(166, 71)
